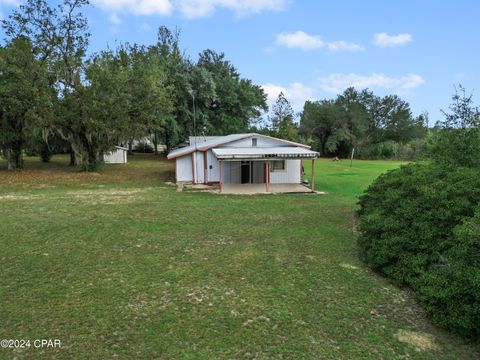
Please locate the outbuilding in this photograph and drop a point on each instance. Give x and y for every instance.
(116, 156)
(243, 161)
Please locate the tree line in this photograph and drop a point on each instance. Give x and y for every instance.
(376, 127)
(55, 96)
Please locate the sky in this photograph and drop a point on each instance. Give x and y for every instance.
(313, 50)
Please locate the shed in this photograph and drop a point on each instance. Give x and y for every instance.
(116, 156)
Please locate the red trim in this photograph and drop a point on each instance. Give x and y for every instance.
(267, 176)
(176, 174)
(193, 168)
(313, 175)
(220, 174)
(204, 167)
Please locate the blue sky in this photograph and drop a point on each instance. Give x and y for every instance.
(315, 49)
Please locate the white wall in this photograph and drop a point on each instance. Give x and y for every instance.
(231, 170)
(184, 168)
(118, 156)
(291, 174)
(212, 174)
(199, 167)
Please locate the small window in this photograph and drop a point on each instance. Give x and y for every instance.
(277, 165)
(254, 142)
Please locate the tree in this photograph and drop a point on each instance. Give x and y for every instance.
(282, 124)
(151, 105)
(237, 102)
(60, 36)
(177, 80)
(24, 98)
(316, 123)
(457, 141)
(359, 120)
(338, 125)
(125, 97)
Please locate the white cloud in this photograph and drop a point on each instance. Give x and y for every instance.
(9, 2)
(189, 8)
(344, 46)
(114, 19)
(300, 40)
(384, 40)
(336, 83)
(137, 7)
(296, 93)
(203, 8)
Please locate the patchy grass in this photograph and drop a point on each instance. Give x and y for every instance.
(119, 265)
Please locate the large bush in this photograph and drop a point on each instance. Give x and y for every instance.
(420, 227)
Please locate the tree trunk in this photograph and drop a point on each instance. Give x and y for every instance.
(73, 158)
(14, 158)
(92, 160)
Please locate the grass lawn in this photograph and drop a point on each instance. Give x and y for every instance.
(119, 265)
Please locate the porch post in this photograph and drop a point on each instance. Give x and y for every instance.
(193, 167)
(313, 175)
(267, 177)
(301, 167)
(220, 174)
(176, 170)
(204, 167)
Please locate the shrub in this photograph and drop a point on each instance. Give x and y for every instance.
(419, 227)
(451, 290)
(412, 150)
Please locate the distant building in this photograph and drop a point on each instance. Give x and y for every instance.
(117, 156)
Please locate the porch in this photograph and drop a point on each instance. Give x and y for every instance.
(260, 176)
(250, 189)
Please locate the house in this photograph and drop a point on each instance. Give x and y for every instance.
(239, 160)
(117, 156)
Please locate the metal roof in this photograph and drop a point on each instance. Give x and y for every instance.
(220, 140)
(264, 153)
(201, 139)
(209, 143)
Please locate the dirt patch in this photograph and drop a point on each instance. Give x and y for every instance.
(421, 341)
(18, 197)
(348, 266)
(111, 197)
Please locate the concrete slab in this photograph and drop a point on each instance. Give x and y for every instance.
(249, 189)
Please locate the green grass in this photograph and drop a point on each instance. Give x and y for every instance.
(120, 265)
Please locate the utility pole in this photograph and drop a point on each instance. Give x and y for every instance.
(194, 155)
